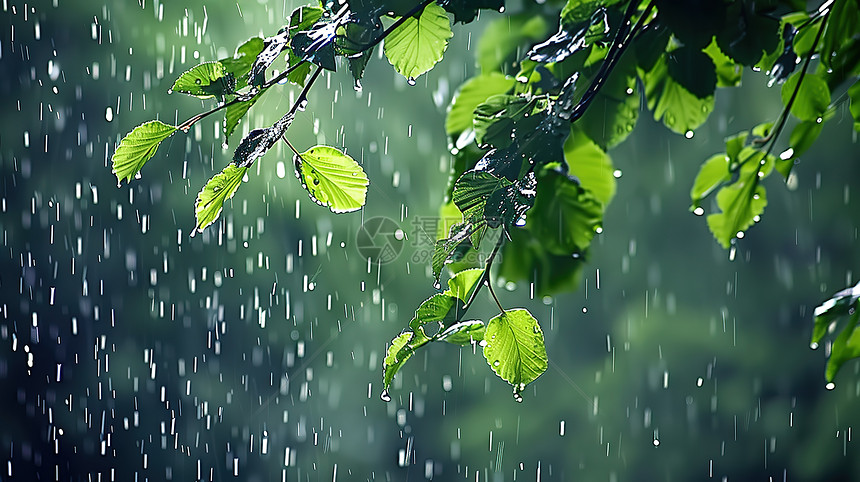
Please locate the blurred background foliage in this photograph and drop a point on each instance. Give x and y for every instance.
(128, 349)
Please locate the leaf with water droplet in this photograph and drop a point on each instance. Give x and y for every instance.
(235, 112)
(210, 199)
(743, 201)
(399, 351)
(205, 81)
(332, 178)
(712, 173)
(464, 333)
(812, 99)
(239, 65)
(677, 107)
(460, 285)
(572, 37)
(472, 93)
(515, 349)
(846, 345)
(137, 147)
(415, 46)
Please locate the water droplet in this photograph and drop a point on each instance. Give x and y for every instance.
(656, 442)
(437, 285)
(699, 211)
(496, 363)
(357, 85)
(813, 345)
(830, 386)
(410, 81)
(198, 81)
(385, 396)
(518, 397)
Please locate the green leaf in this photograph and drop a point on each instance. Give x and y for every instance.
(813, 97)
(464, 333)
(841, 27)
(803, 135)
(728, 72)
(565, 216)
(614, 111)
(440, 308)
(332, 178)
(515, 349)
(460, 285)
(693, 70)
(205, 81)
(399, 351)
(677, 107)
(241, 62)
(471, 94)
(210, 199)
(458, 239)
(503, 36)
(713, 172)
(591, 165)
(854, 95)
(258, 142)
(526, 259)
(847, 344)
(581, 10)
(472, 191)
(498, 118)
(137, 147)
(235, 112)
(743, 201)
(418, 44)
(749, 32)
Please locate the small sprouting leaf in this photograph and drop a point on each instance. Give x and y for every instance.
(713, 172)
(210, 199)
(846, 345)
(418, 44)
(515, 348)
(206, 80)
(137, 147)
(460, 285)
(679, 109)
(471, 94)
(235, 112)
(332, 178)
(813, 96)
(464, 332)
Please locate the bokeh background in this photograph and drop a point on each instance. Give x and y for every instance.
(130, 351)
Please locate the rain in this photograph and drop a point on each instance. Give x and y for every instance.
(130, 350)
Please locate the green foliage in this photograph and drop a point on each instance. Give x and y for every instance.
(529, 134)
(842, 306)
(418, 44)
(137, 147)
(210, 199)
(332, 178)
(514, 348)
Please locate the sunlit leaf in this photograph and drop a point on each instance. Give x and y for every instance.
(332, 178)
(206, 80)
(742, 202)
(137, 147)
(210, 199)
(418, 44)
(515, 349)
(472, 93)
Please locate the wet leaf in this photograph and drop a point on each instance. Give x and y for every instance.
(515, 348)
(571, 38)
(332, 178)
(317, 45)
(137, 147)
(812, 99)
(440, 308)
(206, 80)
(235, 112)
(464, 333)
(472, 191)
(418, 44)
(461, 284)
(210, 199)
(742, 202)
(241, 62)
(259, 141)
(273, 46)
(398, 353)
(846, 345)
